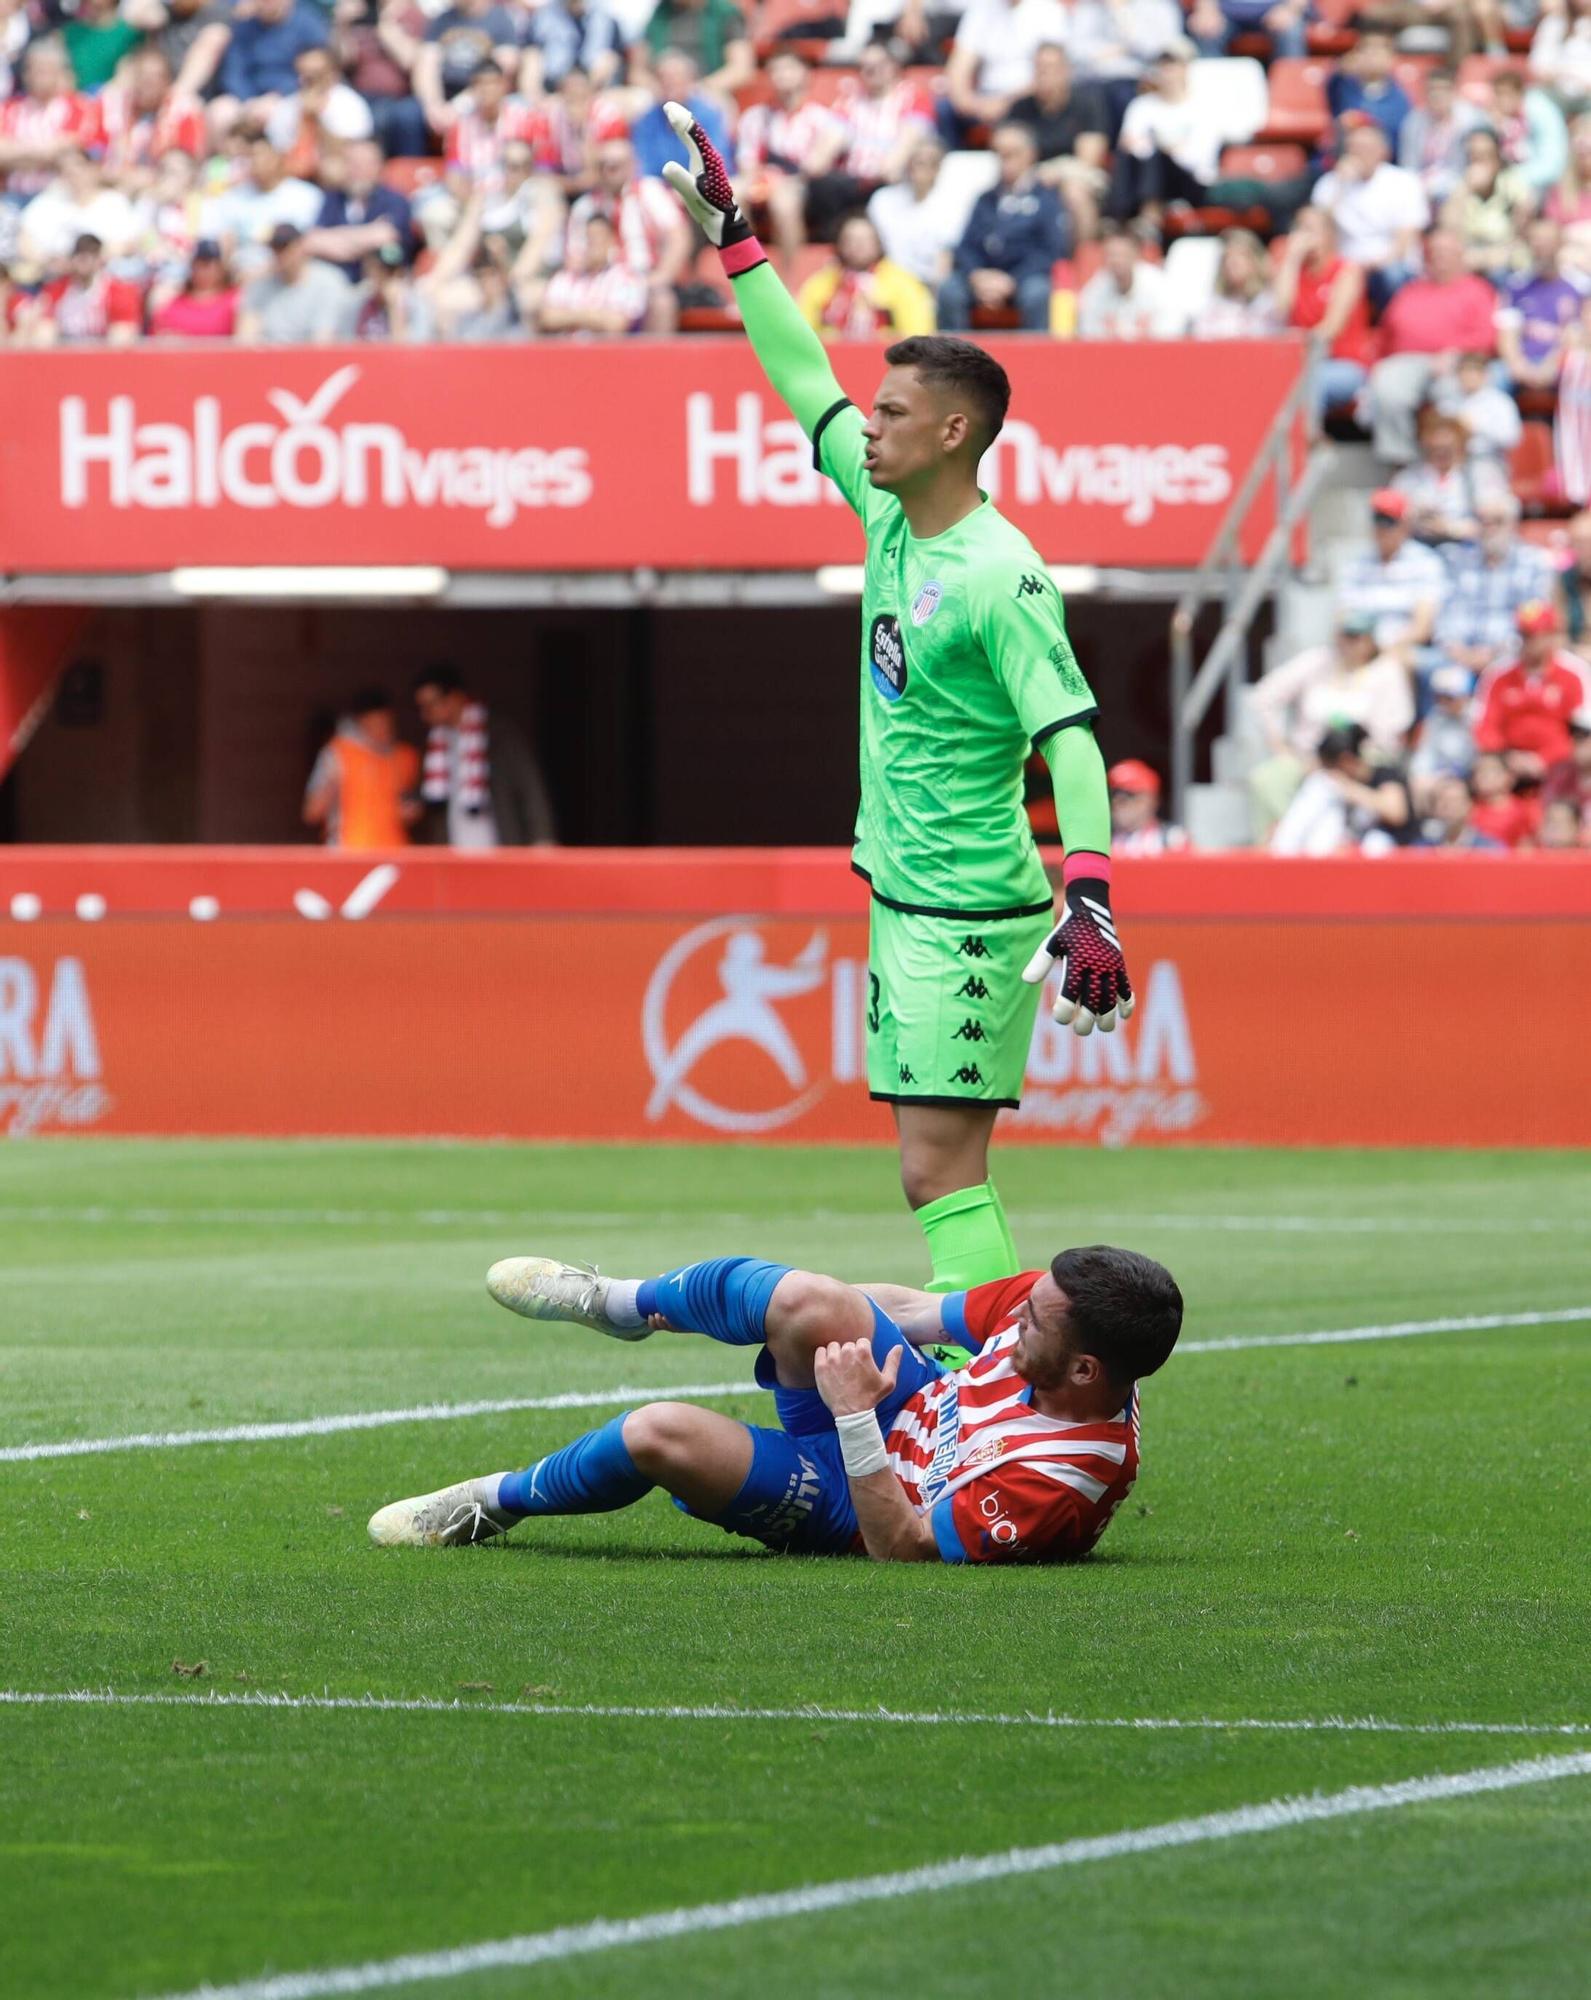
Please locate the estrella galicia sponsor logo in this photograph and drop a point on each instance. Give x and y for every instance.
(946, 1439)
(926, 602)
(886, 654)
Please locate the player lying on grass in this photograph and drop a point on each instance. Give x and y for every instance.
(965, 669)
(1021, 1456)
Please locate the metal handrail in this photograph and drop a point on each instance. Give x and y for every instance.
(1244, 590)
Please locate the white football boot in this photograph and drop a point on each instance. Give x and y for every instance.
(447, 1519)
(546, 1289)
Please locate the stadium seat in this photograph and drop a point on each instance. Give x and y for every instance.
(408, 176)
(1537, 402)
(1297, 107)
(1533, 472)
(962, 178)
(1235, 88)
(1332, 33)
(810, 258)
(1263, 163)
(798, 23)
(1191, 266)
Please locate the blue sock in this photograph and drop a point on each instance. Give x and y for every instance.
(726, 1298)
(594, 1475)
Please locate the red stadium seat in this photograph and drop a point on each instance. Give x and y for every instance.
(1297, 100)
(408, 176)
(1263, 163)
(1332, 33)
(1537, 402)
(1534, 474)
(996, 319)
(780, 23)
(827, 83)
(809, 258)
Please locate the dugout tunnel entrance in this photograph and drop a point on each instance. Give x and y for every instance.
(657, 721)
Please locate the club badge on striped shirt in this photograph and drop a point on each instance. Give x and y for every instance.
(926, 602)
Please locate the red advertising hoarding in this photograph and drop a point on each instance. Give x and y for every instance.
(703, 996)
(670, 455)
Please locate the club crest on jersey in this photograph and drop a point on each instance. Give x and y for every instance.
(886, 652)
(926, 602)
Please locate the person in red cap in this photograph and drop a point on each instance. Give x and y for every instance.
(1523, 710)
(1398, 580)
(1135, 823)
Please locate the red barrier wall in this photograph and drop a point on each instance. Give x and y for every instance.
(1423, 999)
(673, 455)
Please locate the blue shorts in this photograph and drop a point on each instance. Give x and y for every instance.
(796, 1496)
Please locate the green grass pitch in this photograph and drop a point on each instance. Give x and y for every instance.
(1396, 1529)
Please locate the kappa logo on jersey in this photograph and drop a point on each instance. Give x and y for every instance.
(886, 653)
(926, 602)
(1030, 586)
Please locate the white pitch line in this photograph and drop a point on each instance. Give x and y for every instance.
(967, 1871)
(1362, 1725)
(431, 1413)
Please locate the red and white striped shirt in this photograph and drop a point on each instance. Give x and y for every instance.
(613, 290)
(475, 147)
(28, 122)
(644, 217)
(140, 138)
(1001, 1481)
(878, 125)
(771, 136)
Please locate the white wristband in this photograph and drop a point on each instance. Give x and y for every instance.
(861, 1444)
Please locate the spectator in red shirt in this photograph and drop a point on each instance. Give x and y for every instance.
(1501, 813)
(1321, 293)
(1524, 709)
(144, 119)
(207, 306)
(88, 304)
(49, 118)
(1429, 323)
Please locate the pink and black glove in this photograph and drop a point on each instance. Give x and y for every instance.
(708, 197)
(1094, 986)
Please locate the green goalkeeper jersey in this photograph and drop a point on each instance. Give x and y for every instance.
(966, 666)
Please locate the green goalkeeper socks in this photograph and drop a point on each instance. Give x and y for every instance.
(969, 1240)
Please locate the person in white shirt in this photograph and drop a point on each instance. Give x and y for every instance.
(76, 203)
(1560, 52)
(323, 101)
(242, 220)
(1380, 210)
(1170, 144)
(1127, 299)
(916, 225)
(991, 61)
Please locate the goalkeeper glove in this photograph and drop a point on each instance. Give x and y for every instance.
(1094, 987)
(708, 197)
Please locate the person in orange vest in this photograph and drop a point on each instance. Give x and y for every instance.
(363, 787)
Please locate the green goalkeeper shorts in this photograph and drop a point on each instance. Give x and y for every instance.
(949, 1017)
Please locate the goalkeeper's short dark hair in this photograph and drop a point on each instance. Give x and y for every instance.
(1124, 1308)
(963, 368)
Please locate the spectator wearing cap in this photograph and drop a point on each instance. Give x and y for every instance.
(1351, 799)
(299, 301)
(1363, 82)
(1319, 292)
(1127, 298)
(241, 220)
(257, 68)
(1444, 743)
(359, 214)
(206, 308)
(87, 303)
(1489, 582)
(1014, 235)
(1523, 708)
(1447, 817)
(1569, 778)
(1432, 320)
(1446, 485)
(362, 791)
(1379, 209)
(1135, 824)
(1396, 581)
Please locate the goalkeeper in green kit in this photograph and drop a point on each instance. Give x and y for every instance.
(965, 666)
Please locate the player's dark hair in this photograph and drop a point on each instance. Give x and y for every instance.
(442, 677)
(1123, 1308)
(371, 700)
(965, 370)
